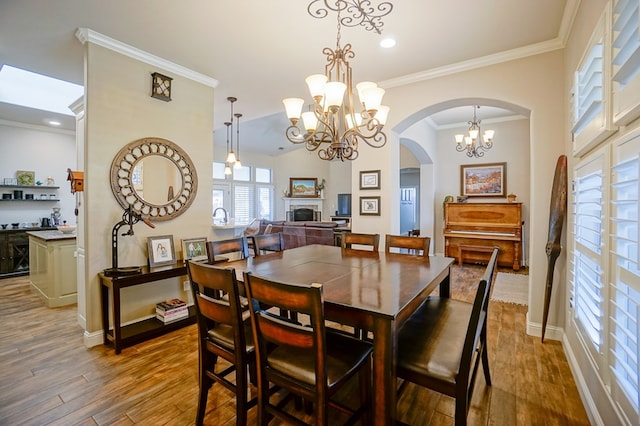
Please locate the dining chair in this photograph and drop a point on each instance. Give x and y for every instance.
(307, 360)
(237, 245)
(441, 345)
(350, 238)
(413, 245)
(223, 331)
(268, 242)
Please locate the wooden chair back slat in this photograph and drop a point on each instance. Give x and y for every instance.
(414, 245)
(351, 238)
(234, 245)
(269, 242)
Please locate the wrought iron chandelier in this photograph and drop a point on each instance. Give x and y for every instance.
(476, 143)
(233, 158)
(334, 125)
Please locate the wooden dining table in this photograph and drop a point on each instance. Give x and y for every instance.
(374, 291)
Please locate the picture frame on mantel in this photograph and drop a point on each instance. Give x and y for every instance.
(483, 180)
(301, 187)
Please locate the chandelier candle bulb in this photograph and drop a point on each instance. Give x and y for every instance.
(316, 83)
(293, 107)
(381, 115)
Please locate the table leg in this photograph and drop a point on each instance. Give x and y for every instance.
(384, 372)
(116, 319)
(104, 310)
(445, 285)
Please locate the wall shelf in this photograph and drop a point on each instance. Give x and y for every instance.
(30, 186)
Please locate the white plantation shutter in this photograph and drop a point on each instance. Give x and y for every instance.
(626, 60)
(246, 194)
(243, 202)
(625, 281)
(587, 272)
(265, 202)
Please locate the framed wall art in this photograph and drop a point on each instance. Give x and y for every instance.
(370, 206)
(194, 249)
(25, 178)
(370, 179)
(161, 250)
(483, 180)
(303, 187)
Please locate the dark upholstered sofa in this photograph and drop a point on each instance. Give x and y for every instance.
(298, 234)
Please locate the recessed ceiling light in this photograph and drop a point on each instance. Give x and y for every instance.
(31, 90)
(388, 42)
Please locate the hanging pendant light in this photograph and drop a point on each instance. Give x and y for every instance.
(227, 167)
(238, 164)
(231, 156)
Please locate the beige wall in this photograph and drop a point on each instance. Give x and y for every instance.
(120, 110)
(511, 146)
(542, 95)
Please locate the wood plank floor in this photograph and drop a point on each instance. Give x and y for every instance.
(47, 376)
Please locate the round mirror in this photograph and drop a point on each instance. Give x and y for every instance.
(155, 176)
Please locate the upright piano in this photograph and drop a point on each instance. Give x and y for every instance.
(471, 229)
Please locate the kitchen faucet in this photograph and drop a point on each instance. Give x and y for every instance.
(226, 219)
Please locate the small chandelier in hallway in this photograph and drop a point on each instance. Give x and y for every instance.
(476, 143)
(334, 124)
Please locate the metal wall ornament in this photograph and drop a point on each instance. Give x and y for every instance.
(335, 125)
(161, 87)
(123, 170)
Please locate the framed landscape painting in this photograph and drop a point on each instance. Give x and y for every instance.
(483, 180)
(303, 187)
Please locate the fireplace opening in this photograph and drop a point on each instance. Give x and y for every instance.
(303, 214)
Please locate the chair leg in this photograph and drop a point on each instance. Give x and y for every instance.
(205, 385)
(461, 409)
(365, 393)
(206, 361)
(241, 396)
(485, 365)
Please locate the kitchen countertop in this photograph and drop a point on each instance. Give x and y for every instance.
(53, 235)
(36, 228)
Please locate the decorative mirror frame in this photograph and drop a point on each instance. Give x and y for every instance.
(122, 186)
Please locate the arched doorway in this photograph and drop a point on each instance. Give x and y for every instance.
(433, 146)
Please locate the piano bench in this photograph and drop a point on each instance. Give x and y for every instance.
(472, 249)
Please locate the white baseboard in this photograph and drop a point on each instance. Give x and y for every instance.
(552, 332)
(93, 339)
(581, 384)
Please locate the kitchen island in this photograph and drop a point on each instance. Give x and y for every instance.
(53, 267)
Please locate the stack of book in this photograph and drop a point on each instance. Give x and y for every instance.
(171, 310)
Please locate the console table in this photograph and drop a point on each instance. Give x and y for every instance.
(131, 334)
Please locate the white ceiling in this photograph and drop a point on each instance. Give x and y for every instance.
(260, 51)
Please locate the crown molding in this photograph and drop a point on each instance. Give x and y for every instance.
(509, 55)
(87, 35)
(568, 18)
(42, 128)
